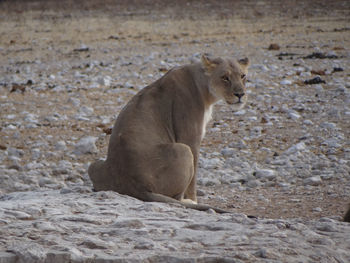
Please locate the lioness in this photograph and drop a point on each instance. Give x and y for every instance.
(154, 147)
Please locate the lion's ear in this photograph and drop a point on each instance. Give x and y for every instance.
(244, 63)
(209, 64)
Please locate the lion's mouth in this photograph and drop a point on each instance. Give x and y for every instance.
(234, 102)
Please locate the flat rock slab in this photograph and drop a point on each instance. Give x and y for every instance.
(76, 225)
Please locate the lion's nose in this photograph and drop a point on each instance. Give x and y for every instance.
(239, 96)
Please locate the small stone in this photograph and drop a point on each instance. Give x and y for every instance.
(74, 101)
(86, 111)
(260, 83)
(265, 174)
(240, 113)
(305, 74)
(46, 181)
(274, 46)
(308, 122)
(296, 148)
(15, 152)
(19, 214)
(313, 181)
(228, 152)
(36, 153)
(286, 82)
(253, 183)
(86, 145)
(332, 143)
(316, 80)
(326, 227)
(240, 144)
(293, 115)
(61, 146)
(317, 209)
(104, 81)
(82, 48)
(144, 245)
(328, 125)
(261, 253)
(66, 191)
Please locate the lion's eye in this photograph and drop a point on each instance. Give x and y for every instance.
(225, 78)
(243, 76)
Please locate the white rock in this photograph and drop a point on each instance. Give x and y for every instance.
(240, 144)
(305, 74)
(104, 81)
(211, 163)
(36, 153)
(15, 152)
(296, 148)
(240, 113)
(286, 82)
(86, 111)
(313, 181)
(60, 146)
(256, 132)
(86, 145)
(227, 152)
(265, 174)
(328, 125)
(318, 87)
(317, 209)
(293, 115)
(308, 122)
(74, 101)
(332, 143)
(253, 183)
(31, 118)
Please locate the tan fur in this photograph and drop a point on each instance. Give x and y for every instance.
(154, 146)
(347, 216)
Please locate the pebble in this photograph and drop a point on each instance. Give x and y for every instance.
(265, 174)
(104, 81)
(86, 110)
(14, 152)
(296, 148)
(85, 145)
(293, 115)
(313, 181)
(227, 152)
(286, 82)
(74, 101)
(317, 209)
(240, 113)
(60, 146)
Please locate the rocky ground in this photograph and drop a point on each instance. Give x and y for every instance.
(66, 71)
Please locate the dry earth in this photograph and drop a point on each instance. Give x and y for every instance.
(67, 69)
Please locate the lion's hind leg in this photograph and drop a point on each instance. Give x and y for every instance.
(173, 169)
(99, 176)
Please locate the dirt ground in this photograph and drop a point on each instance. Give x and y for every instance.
(47, 35)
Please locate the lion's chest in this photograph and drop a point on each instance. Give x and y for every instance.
(207, 117)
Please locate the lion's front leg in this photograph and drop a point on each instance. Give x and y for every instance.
(191, 191)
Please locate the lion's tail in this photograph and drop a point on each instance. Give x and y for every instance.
(153, 197)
